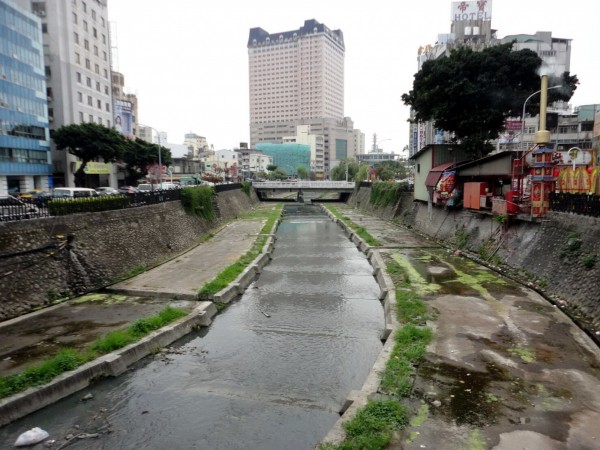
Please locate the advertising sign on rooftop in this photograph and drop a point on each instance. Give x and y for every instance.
(476, 10)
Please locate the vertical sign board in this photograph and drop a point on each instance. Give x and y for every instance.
(124, 118)
(596, 134)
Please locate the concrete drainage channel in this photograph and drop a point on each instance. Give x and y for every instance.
(115, 363)
(359, 398)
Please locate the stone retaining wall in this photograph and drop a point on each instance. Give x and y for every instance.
(555, 256)
(45, 259)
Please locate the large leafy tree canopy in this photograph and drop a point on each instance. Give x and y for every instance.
(471, 94)
(338, 173)
(139, 155)
(89, 141)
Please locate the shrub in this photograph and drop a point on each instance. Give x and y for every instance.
(385, 194)
(61, 207)
(198, 202)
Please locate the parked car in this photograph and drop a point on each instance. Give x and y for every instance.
(167, 186)
(11, 208)
(74, 193)
(145, 187)
(127, 190)
(103, 191)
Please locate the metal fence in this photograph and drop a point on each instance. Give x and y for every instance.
(584, 204)
(12, 209)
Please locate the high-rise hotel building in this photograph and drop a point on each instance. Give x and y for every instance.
(78, 75)
(297, 78)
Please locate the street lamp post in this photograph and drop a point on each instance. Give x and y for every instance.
(523, 114)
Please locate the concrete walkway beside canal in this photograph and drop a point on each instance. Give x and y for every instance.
(31, 338)
(506, 369)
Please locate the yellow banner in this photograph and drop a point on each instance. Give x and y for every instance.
(95, 168)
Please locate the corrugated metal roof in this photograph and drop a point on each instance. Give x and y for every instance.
(435, 174)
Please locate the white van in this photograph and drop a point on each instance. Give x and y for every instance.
(74, 193)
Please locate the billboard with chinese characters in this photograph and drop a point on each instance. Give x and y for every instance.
(475, 10)
(124, 118)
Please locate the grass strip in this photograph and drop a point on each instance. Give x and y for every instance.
(374, 424)
(231, 272)
(69, 359)
(360, 231)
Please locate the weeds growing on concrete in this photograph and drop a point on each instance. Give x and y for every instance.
(230, 273)
(197, 201)
(69, 359)
(373, 425)
(360, 231)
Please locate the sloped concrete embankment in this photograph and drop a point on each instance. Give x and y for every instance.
(559, 256)
(359, 398)
(117, 362)
(57, 257)
(112, 364)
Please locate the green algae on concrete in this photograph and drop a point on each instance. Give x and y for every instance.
(526, 355)
(476, 441)
(417, 282)
(107, 299)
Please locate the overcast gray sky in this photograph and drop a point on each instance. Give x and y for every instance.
(188, 64)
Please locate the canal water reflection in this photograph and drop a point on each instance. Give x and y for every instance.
(271, 372)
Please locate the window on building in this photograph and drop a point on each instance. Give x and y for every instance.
(48, 71)
(78, 77)
(97, 68)
(90, 117)
(79, 97)
(85, 25)
(84, 6)
(95, 32)
(87, 64)
(88, 82)
(74, 18)
(99, 104)
(104, 56)
(81, 118)
(104, 39)
(108, 107)
(76, 38)
(90, 100)
(45, 28)
(93, 14)
(96, 50)
(86, 44)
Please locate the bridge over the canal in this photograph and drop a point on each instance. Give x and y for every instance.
(301, 190)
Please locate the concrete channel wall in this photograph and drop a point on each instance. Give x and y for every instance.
(57, 257)
(115, 363)
(558, 256)
(359, 398)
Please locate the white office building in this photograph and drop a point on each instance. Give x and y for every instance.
(78, 75)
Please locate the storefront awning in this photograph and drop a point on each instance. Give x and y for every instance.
(435, 174)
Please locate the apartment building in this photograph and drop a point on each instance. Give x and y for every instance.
(471, 27)
(297, 78)
(78, 76)
(24, 133)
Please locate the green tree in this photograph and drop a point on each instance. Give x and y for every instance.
(271, 167)
(362, 174)
(302, 173)
(338, 173)
(278, 174)
(391, 170)
(139, 155)
(471, 94)
(89, 141)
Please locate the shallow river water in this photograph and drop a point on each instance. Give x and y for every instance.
(271, 372)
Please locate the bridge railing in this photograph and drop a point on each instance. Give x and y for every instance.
(303, 185)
